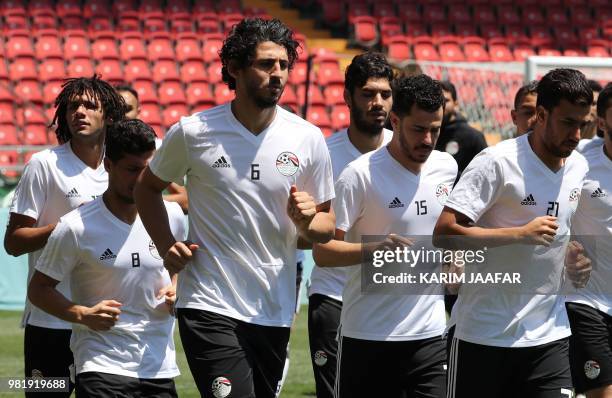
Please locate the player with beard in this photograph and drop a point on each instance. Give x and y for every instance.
(391, 343)
(523, 114)
(368, 95)
(592, 135)
(54, 182)
(258, 178)
(517, 199)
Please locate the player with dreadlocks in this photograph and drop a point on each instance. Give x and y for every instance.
(54, 182)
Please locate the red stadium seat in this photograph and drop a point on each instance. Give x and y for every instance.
(450, 51)
(31, 114)
(43, 21)
(334, 94)
(490, 31)
(8, 134)
(566, 35)
(474, 49)
(466, 30)
(48, 46)
(51, 69)
(289, 98)
(146, 91)
(150, 114)
(409, 13)
(523, 50)
(172, 114)
(389, 27)
(105, 49)
(199, 94)
(29, 91)
(211, 47)
(298, 75)
(214, 72)
(101, 28)
(51, 90)
(121, 6)
(137, 69)
(508, 15)
(203, 7)
(23, 68)
(19, 46)
(180, 26)
(365, 30)
(588, 33)
(315, 97)
(398, 49)
(150, 9)
(68, 8)
(165, 71)
(4, 74)
(483, 15)
(229, 7)
(35, 134)
(459, 15)
(340, 117)
(424, 50)
(540, 36)
(177, 7)
(73, 23)
(208, 26)
(132, 48)
(40, 7)
(229, 20)
(171, 93)
(549, 52)
(516, 33)
(556, 16)
(598, 48)
(580, 16)
(332, 13)
(532, 15)
(7, 115)
(439, 30)
(434, 13)
(222, 93)
(9, 158)
(155, 28)
(499, 50)
(414, 30)
(96, 9)
(110, 70)
(318, 116)
(76, 47)
(6, 94)
(188, 49)
(193, 71)
(382, 9)
(14, 23)
(328, 74)
(80, 68)
(573, 52)
(159, 49)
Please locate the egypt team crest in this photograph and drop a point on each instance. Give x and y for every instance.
(153, 250)
(574, 196)
(442, 193)
(221, 387)
(287, 163)
(591, 369)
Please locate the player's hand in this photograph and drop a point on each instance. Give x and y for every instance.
(540, 231)
(301, 208)
(452, 268)
(390, 242)
(577, 266)
(101, 316)
(179, 254)
(169, 292)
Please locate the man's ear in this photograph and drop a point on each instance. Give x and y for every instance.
(513, 116)
(395, 121)
(541, 114)
(347, 98)
(232, 68)
(107, 164)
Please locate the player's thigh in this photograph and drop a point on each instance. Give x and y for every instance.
(427, 369)
(103, 385)
(367, 369)
(266, 349)
(216, 357)
(590, 347)
(158, 388)
(547, 370)
(323, 321)
(476, 370)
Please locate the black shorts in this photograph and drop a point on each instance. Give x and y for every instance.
(323, 321)
(481, 371)
(590, 347)
(298, 284)
(47, 353)
(103, 385)
(391, 369)
(225, 354)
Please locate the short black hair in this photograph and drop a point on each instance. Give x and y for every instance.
(594, 84)
(421, 90)
(527, 89)
(128, 88)
(133, 137)
(564, 83)
(366, 66)
(449, 87)
(101, 91)
(604, 101)
(240, 44)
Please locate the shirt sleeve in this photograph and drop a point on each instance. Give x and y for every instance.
(478, 187)
(31, 192)
(171, 160)
(319, 179)
(60, 255)
(348, 204)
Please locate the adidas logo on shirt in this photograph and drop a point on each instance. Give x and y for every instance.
(396, 203)
(107, 255)
(221, 162)
(598, 193)
(73, 193)
(529, 201)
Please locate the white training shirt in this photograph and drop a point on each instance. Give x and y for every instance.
(105, 259)
(376, 196)
(330, 281)
(238, 185)
(54, 182)
(593, 228)
(507, 185)
(587, 144)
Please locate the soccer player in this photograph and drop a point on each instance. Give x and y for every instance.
(368, 95)
(258, 177)
(391, 345)
(176, 193)
(457, 137)
(590, 309)
(517, 199)
(590, 131)
(122, 295)
(54, 182)
(523, 114)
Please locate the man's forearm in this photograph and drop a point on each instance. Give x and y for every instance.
(463, 237)
(321, 228)
(337, 253)
(51, 301)
(27, 239)
(154, 217)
